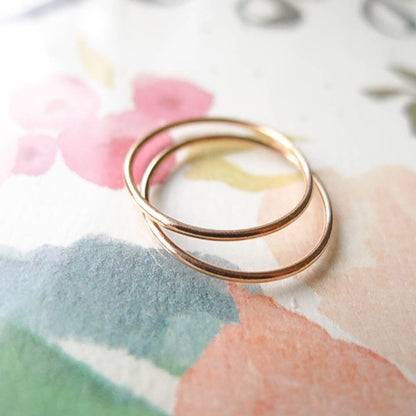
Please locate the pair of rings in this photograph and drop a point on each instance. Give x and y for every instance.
(236, 130)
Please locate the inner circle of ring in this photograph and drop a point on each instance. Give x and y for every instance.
(236, 275)
(267, 136)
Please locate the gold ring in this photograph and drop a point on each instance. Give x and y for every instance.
(229, 274)
(263, 135)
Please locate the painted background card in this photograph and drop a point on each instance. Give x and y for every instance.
(96, 319)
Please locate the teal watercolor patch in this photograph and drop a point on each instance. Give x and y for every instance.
(119, 295)
(37, 379)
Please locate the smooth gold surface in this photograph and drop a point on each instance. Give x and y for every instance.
(258, 134)
(229, 274)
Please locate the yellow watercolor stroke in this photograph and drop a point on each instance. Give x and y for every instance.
(96, 65)
(214, 167)
(220, 169)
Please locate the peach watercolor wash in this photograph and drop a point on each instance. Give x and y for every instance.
(368, 288)
(276, 362)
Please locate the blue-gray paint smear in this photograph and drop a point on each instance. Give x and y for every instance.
(116, 294)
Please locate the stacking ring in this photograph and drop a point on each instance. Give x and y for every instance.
(230, 274)
(157, 221)
(263, 135)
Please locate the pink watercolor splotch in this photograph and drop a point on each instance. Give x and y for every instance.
(276, 362)
(95, 147)
(36, 154)
(54, 104)
(170, 99)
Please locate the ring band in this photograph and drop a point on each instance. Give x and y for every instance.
(263, 136)
(236, 275)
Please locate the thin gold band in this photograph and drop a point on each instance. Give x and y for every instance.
(229, 274)
(263, 135)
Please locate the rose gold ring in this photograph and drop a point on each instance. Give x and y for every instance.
(258, 134)
(230, 274)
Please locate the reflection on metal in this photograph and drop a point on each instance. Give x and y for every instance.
(396, 18)
(267, 13)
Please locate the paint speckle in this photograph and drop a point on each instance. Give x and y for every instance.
(294, 303)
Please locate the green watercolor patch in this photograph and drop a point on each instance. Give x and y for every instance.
(37, 379)
(118, 295)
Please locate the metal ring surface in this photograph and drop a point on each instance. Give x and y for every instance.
(236, 275)
(263, 135)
